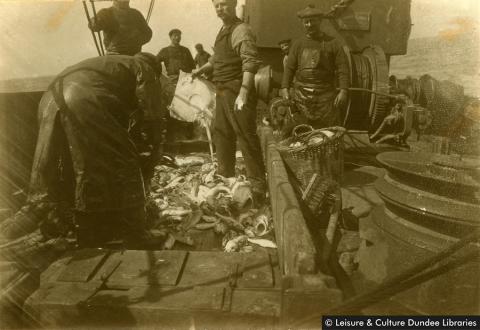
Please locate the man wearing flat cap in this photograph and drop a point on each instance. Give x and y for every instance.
(316, 61)
(175, 57)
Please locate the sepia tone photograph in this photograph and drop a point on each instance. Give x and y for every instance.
(239, 164)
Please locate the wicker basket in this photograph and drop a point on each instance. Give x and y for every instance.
(308, 152)
(315, 160)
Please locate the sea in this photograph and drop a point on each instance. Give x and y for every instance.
(454, 58)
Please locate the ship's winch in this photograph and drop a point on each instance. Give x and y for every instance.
(440, 192)
(431, 201)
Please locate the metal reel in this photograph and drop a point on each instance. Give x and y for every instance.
(380, 83)
(369, 71)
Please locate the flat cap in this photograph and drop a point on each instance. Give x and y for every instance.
(285, 41)
(310, 11)
(176, 31)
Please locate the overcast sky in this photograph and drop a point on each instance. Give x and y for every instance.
(439, 17)
(42, 37)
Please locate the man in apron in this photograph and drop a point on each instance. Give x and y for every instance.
(317, 62)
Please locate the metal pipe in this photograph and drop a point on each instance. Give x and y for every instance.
(358, 89)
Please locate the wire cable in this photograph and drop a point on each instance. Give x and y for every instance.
(406, 280)
(93, 33)
(92, 2)
(150, 10)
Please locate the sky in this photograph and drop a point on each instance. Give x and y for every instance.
(41, 37)
(443, 17)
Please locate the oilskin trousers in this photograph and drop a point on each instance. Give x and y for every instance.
(80, 153)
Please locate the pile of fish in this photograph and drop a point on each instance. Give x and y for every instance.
(193, 198)
(310, 138)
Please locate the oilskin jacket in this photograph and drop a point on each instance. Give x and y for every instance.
(318, 65)
(84, 151)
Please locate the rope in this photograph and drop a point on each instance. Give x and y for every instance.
(361, 77)
(346, 50)
(407, 284)
(405, 280)
(93, 33)
(150, 10)
(99, 33)
(337, 9)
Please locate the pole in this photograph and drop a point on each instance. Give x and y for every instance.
(210, 143)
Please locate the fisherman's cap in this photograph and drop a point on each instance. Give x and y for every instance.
(309, 12)
(174, 31)
(284, 41)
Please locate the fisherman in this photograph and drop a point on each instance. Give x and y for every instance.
(234, 63)
(285, 48)
(202, 56)
(201, 59)
(85, 155)
(175, 56)
(316, 61)
(125, 29)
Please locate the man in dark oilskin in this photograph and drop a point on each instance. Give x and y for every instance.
(175, 57)
(85, 154)
(234, 63)
(316, 61)
(125, 30)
